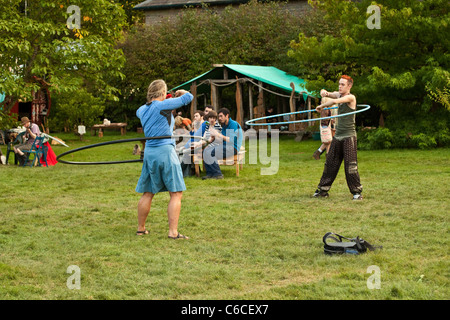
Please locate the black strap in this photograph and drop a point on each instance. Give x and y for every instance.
(358, 243)
(330, 235)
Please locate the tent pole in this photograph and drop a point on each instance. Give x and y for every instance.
(239, 103)
(250, 99)
(194, 101)
(292, 107)
(214, 97)
(309, 113)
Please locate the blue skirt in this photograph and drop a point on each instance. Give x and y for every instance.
(161, 171)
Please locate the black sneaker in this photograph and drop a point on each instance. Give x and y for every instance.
(212, 177)
(320, 194)
(357, 196)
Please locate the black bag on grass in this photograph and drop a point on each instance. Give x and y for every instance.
(352, 246)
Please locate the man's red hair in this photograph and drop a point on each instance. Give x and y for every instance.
(348, 78)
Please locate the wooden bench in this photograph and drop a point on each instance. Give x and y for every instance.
(237, 160)
(121, 125)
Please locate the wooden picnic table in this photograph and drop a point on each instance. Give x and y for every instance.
(121, 125)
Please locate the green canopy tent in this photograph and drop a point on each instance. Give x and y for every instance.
(265, 78)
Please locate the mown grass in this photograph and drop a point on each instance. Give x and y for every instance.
(252, 237)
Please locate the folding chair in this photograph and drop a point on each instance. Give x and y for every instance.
(39, 150)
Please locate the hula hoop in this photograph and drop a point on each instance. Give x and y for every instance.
(250, 122)
(58, 158)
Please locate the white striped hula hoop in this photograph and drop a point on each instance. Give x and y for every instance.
(251, 122)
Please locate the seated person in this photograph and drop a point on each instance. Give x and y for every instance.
(182, 123)
(269, 113)
(210, 124)
(182, 127)
(225, 144)
(198, 120)
(210, 121)
(207, 110)
(195, 145)
(197, 123)
(32, 131)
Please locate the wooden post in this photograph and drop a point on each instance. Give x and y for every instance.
(381, 121)
(285, 107)
(214, 97)
(259, 110)
(279, 105)
(250, 99)
(292, 107)
(309, 113)
(194, 101)
(239, 103)
(261, 93)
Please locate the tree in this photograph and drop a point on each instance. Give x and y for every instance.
(180, 49)
(392, 65)
(61, 44)
(74, 110)
(441, 95)
(133, 16)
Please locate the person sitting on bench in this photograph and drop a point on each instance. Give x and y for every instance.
(227, 144)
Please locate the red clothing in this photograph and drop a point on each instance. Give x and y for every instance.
(51, 156)
(186, 121)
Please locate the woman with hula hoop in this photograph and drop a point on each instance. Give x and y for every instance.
(161, 170)
(343, 145)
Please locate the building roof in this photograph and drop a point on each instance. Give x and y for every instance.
(266, 74)
(167, 4)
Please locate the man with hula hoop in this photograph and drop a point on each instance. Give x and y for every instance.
(344, 143)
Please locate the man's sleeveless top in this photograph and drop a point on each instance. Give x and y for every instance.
(346, 125)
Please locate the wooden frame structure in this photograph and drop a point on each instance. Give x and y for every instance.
(288, 88)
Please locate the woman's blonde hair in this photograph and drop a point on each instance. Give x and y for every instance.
(156, 89)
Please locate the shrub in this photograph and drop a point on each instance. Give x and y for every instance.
(380, 138)
(402, 139)
(443, 138)
(383, 138)
(423, 141)
(8, 121)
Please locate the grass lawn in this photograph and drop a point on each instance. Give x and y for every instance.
(252, 237)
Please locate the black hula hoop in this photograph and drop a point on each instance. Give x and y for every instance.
(58, 158)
